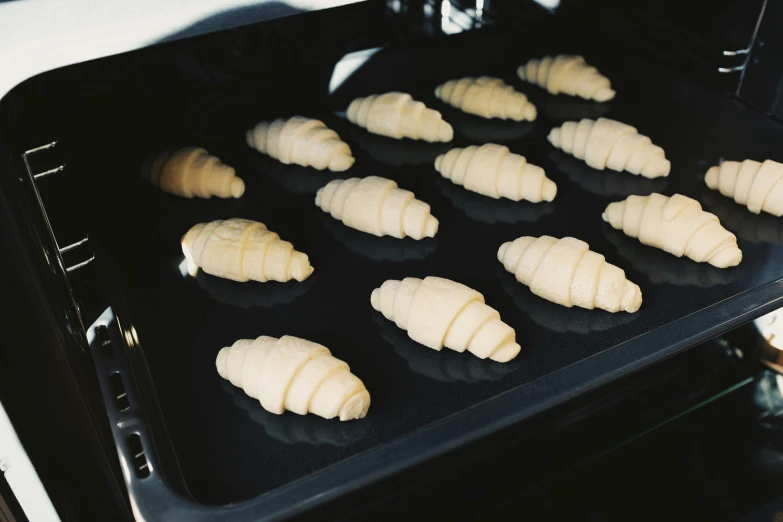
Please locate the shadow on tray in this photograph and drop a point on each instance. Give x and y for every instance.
(291, 428)
(565, 108)
(483, 130)
(252, 294)
(489, 210)
(295, 178)
(761, 228)
(378, 248)
(445, 365)
(605, 182)
(661, 267)
(559, 318)
(397, 153)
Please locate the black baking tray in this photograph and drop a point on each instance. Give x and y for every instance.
(210, 451)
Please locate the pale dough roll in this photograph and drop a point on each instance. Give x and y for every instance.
(397, 115)
(487, 97)
(303, 141)
(758, 186)
(192, 172)
(605, 143)
(241, 250)
(294, 374)
(377, 206)
(677, 225)
(565, 271)
(492, 170)
(567, 74)
(439, 312)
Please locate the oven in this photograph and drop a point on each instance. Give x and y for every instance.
(107, 362)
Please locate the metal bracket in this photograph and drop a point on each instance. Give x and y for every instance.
(34, 176)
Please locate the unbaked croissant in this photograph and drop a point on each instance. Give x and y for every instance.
(439, 312)
(303, 141)
(397, 115)
(294, 374)
(565, 271)
(677, 225)
(605, 143)
(494, 171)
(756, 185)
(242, 250)
(567, 74)
(487, 97)
(376, 206)
(192, 172)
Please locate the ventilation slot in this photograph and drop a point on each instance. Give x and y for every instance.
(102, 334)
(120, 395)
(140, 464)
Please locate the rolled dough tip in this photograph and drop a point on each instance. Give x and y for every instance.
(632, 297)
(237, 188)
(220, 362)
(506, 353)
(438, 162)
(604, 95)
(375, 299)
(502, 251)
(446, 132)
(318, 196)
(431, 228)
(249, 137)
(341, 163)
(727, 258)
(531, 113)
(521, 72)
(711, 178)
(554, 137)
(550, 190)
(356, 407)
(438, 90)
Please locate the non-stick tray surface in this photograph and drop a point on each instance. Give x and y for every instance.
(423, 402)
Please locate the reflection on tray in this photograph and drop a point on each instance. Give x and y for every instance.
(488, 210)
(252, 294)
(761, 228)
(379, 248)
(297, 179)
(397, 153)
(605, 182)
(291, 428)
(484, 130)
(661, 267)
(444, 366)
(563, 108)
(559, 318)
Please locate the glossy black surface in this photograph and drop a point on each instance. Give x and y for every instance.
(423, 403)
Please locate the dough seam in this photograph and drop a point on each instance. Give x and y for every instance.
(769, 193)
(573, 276)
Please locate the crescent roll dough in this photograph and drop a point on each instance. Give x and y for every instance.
(303, 141)
(376, 206)
(439, 312)
(241, 250)
(565, 271)
(294, 374)
(494, 171)
(567, 74)
(487, 97)
(397, 115)
(677, 225)
(756, 185)
(605, 143)
(192, 172)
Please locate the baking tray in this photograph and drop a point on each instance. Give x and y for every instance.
(194, 448)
